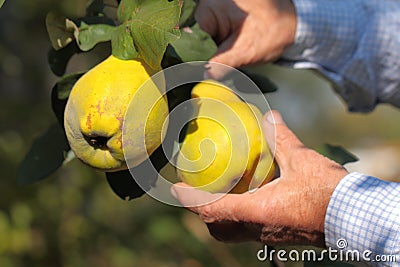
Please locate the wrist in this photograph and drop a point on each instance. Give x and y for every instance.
(288, 18)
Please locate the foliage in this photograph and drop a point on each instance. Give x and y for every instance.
(336, 153)
(47, 154)
(162, 33)
(72, 219)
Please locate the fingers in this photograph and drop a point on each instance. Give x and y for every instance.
(206, 17)
(219, 215)
(191, 197)
(226, 54)
(236, 51)
(211, 207)
(223, 20)
(281, 140)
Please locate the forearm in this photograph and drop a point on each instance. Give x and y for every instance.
(353, 43)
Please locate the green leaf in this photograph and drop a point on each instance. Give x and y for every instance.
(95, 7)
(123, 185)
(126, 187)
(100, 19)
(60, 94)
(187, 15)
(46, 155)
(2, 2)
(90, 35)
(122, 44)
(263, 83)
(194, 44)
(60, 30)
(336, 153)
(170, 58)
(179, 95)
(58, 59)
(99, 7)
(126, 9)
(152, 24)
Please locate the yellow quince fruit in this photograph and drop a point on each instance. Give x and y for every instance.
(96, 109)
(224, 149)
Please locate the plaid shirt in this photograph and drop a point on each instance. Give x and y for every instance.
(353, 43)
(356, 45)
(364, 214)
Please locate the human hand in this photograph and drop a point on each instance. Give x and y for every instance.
(287, 211)
(247, 32)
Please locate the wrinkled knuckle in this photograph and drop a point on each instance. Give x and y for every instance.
(207, 214)
(286, 139)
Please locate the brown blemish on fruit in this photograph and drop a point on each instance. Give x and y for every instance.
(98, 107)
(121, 120)
(89, 121)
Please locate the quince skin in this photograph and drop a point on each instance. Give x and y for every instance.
(95, 114)
(224, 149)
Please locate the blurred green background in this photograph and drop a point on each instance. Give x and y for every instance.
(74, 219)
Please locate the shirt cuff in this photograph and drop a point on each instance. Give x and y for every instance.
(364, 215)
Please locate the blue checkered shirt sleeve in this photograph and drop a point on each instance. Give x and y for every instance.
(353, 43)
(364, 215)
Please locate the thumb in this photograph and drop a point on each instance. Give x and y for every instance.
(211, 207)
(191, 197)
(227, 218)
(281, 140)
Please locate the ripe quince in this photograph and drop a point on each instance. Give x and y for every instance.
(95, 111)
(224, 149)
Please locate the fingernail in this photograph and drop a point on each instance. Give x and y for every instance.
(275, 118)
(173, 192)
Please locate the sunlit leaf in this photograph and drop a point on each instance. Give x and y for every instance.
(122, 44)
(46, 155)
(152, 24)
(336, 153)
(187, 15)
(90, 35)
(60, 30)
(2, 2)
(60, 94)
(126, 9)
(194, 44)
